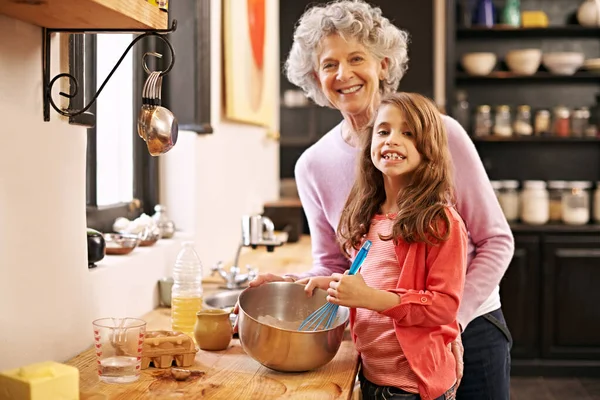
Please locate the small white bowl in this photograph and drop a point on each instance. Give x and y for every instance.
(524, 62)
(478, 63)
(563, 63)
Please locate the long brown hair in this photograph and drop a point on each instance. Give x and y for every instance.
(422, 216)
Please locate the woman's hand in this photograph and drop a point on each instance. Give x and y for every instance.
(310, 284)
(259, 280)
(349, 290)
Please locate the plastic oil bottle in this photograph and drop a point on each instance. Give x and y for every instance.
(186, 295)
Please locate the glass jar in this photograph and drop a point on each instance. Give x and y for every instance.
(576, 203)
(579, 122)
(483, 121)
(497, 186)
(522, 125)
(555, 192)
(561, 124)
(509, 199)
(597, 203)
(502, 125)
(542, 123)
(535, 207)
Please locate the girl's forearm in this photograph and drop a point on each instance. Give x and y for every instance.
(381, 300)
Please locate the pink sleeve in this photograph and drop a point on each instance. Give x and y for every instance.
(490, 233)
(327, 256)
(438, 304)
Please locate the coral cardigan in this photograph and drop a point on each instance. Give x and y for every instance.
(430, 287)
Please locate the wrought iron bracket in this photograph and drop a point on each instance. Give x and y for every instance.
(46, 52)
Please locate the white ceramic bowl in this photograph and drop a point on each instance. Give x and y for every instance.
(592, 65)
(478, 63)
(563, 63)
(524, 62)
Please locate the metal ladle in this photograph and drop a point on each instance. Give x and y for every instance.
(156, 124)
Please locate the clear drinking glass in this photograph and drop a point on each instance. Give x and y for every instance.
(118, 343)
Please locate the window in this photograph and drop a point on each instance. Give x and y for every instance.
(122, 177)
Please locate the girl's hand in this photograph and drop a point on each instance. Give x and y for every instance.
(310, 284)
(349, 290)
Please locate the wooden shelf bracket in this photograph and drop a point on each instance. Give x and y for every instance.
(46, 52)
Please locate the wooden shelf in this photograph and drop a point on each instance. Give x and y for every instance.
(520, 33)
(542, 76)
(88, 14)
(555, 228)
(534, 139)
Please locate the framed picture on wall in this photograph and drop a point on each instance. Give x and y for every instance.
(250, 38)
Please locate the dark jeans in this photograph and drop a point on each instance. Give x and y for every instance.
(371, 391)
(487, 344)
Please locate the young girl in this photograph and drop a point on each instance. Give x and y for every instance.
(404, 301)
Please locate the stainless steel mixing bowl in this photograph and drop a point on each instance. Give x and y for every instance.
(281, 349)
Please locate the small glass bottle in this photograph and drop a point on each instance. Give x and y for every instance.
(561, 124)
(522, 125)
(579, 121)
(555, 192)
(542, 123)
(535, 208)
(576, 203)
(461, 110)
(597, 203)
(509, 199)
(502, 125)
(483, 121)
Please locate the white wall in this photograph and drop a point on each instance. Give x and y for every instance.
(209, 182)
(43, 253)
(48, 297)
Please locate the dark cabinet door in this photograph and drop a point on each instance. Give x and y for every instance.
(571, 297)
(519, 293)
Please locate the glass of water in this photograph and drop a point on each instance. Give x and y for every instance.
(118, 344)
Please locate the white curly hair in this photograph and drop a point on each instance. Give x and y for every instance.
(350, 19)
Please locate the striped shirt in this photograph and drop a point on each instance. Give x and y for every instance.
(383, 361)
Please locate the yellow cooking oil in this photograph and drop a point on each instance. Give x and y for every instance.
(183, 313)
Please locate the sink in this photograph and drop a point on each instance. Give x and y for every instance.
(224, 299)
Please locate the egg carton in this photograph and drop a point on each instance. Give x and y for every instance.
(162, 348)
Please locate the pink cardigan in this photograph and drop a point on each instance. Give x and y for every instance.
(430, 286)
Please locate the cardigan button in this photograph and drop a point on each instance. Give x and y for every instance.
(423, 299)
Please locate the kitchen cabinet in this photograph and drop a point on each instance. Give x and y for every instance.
(550, 301)
(87, 14)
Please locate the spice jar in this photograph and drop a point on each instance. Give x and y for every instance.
(509, 200)
(579, 121)
(576, 203)
(522, 125)
(542, 123)
(535, 208)
(555, 192)
(597, 203)
(560, 125)
(502, 125)
(483, 121)
(497, 186)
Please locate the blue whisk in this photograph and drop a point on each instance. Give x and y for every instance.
(326, 313)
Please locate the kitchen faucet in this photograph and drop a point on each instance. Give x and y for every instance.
(256, 231)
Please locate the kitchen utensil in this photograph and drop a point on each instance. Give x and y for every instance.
(120, 243)
(213, 330)
(478, 64)
(324, 316)
(95, 247)
(156, 124)
(563, 63)
(279, 348)
(524, 61)
(118, 345)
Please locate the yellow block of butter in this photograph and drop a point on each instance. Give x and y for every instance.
(534, 19)
(42, 381)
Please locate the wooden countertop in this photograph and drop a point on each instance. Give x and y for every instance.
(231, 374)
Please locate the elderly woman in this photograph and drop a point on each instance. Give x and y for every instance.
(346, 55)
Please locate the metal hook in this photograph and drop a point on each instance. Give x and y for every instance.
(150, 53)
(49, 82)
